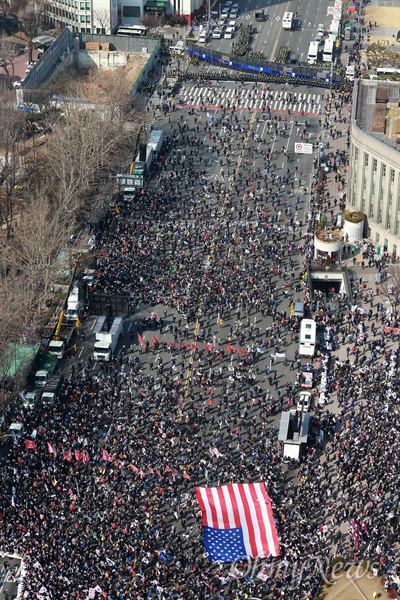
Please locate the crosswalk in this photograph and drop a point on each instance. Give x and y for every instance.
(244, 99)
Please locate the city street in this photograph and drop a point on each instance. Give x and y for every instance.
(270, 35)
(212, 254)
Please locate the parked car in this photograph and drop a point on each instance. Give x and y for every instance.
(234, 14)
(229, 33)
(321, 29)
(217, 34)
(202, 39)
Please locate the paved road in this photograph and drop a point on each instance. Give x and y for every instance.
(270, 36)
(245, 159)
(303, 100)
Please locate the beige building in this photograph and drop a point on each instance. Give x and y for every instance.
(374, 161)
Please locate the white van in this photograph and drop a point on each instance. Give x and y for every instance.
(229, 33)
(312, 56)
(287, 21)
(350, 72)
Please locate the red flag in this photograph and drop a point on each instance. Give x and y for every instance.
(141, 473)
(169, 470)
(183, 345)
(151, 470)
(249, 507)
(231, 348)
(158, 473)
(195, 347)
(78, 455)
(155, 340)
(185, 475)
(51, 449)
(67, 455)
(141, 340)
(85, 457)
(134, 469)
(30, 445)
(210, 347)
(171, 344)
(240, 351)
(106, 456)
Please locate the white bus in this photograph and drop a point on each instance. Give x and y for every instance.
(312, 56)
(287, 21)
(133, 30)
(327, 55)
(308, 334)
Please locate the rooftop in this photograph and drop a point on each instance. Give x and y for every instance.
(329, 235)
(378, 110)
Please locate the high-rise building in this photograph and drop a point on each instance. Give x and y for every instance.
(374, 160)
(82, 16)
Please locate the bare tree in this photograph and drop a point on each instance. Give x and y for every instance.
(391, 284)
(30, 14)
(11, 127)
(101, 18)
(86, 133)
(8, 53)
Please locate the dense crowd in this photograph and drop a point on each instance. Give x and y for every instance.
(103, 503)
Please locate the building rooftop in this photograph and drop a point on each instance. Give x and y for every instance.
(378, 110)
(329, 236)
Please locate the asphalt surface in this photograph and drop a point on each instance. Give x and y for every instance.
(270, 35)
(245, 159)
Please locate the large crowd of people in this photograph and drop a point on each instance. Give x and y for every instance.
(102, 503)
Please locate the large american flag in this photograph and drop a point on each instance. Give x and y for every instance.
(238, 522)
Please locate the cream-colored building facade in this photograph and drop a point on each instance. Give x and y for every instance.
(374, 161)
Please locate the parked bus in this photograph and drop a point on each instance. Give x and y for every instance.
(308, 334)
(387, 71)
(312, 56)
(287, 21)
(133, 30)
(327, 55)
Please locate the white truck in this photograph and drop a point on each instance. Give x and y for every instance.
(155, 141)
(106, 337)
(74, 306)
(60, 346)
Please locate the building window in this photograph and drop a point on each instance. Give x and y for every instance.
(371, 211)
(87, 18)
(82, 20)
(363, 204)
(377, 238)
(373, 188)
(380, 216)
(131, 11)
(87, 5)
(388, 222)
(364, 183)
(381, 194)
(82, 5)
(366, 159)
(355, 176)
(392, 174)
(375, 165)
(390, 198)
(383, 170)
(397, 227)
(394, 249)
(355, 153)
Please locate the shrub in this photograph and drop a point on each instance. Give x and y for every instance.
(353, 216)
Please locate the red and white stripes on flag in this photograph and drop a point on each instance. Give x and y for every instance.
(246, 506)
(51, 449)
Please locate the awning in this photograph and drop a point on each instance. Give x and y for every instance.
(156, 6)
